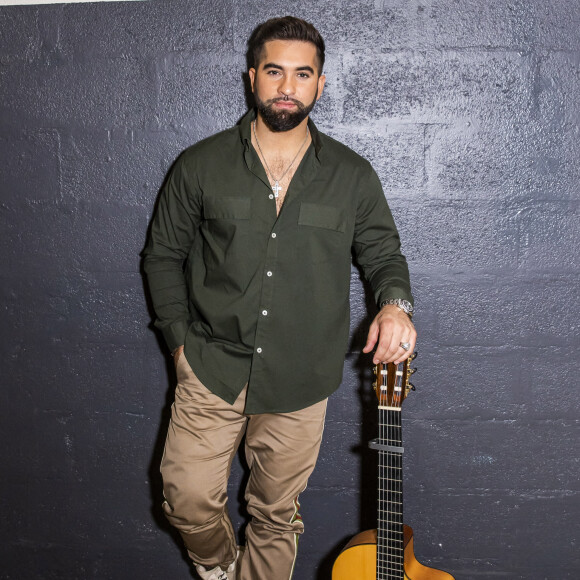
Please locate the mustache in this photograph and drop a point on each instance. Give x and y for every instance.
(298, 103)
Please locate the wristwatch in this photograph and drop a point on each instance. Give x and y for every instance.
(404, 305)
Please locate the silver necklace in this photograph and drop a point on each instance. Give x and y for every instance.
(276, 188)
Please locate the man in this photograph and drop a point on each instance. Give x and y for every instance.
(249, 265)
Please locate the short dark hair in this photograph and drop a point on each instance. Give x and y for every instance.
(284, 28)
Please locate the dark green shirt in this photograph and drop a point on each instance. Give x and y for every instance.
(264, 299)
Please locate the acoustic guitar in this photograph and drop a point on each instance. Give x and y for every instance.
(387, 552)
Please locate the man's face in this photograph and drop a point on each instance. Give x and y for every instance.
(286, 83)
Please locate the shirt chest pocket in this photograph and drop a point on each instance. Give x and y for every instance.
(227, 208)
(322, 238)
(224, 229)
(326, 217)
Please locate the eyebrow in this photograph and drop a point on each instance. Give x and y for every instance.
(278, 67)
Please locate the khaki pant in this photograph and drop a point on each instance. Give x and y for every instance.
(281, 450)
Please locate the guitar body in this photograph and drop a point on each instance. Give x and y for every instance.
(358, 560)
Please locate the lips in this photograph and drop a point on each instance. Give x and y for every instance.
(285, 104)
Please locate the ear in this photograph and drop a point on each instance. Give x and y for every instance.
(252, 75)
(321, 81)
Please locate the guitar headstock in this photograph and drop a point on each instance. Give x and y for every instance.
(392, 384)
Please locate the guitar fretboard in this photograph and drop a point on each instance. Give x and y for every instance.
(390, 547)
(390, 538)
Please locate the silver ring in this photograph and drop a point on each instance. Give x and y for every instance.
(405, 345)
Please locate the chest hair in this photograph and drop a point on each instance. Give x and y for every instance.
(278, 165)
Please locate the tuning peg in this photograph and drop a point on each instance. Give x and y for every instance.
(413, 388)
(412, 371)
(413, 356)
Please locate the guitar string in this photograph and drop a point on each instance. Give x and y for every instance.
(390, 506)
(397, 461)
(386, 415)
(383, 539)
(394, 462)
(393, 562)
(385, 543)
(388, 458)
(393, 528)
(386, 470)
(390, 413)
(379, 562)
(400, 479)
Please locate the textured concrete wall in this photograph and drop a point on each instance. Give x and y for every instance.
(469, 111)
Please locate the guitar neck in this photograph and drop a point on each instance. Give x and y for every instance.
(391, 386)
(390, 545)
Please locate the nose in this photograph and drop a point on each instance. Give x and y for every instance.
(287, 86)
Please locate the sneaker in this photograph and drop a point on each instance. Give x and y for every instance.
(217, 573)
(214, 574)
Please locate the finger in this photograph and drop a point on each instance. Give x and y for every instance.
(385, 350)
(394, 347)
(372, 337)
(403, 357)
(177, 354)
(405, 354)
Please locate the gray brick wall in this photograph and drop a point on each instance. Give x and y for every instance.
(469, 110)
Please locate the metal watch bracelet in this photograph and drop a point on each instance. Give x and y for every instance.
(404, 305)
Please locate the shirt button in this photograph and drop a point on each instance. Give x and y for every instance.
(273, 234)
(265, 312)
(268, 274)
(271, 196)
(258, 350)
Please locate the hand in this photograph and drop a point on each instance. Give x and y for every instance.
(177, 353)
(390, 327)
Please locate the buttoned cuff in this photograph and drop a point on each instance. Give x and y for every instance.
(175, 333)
(394, 292)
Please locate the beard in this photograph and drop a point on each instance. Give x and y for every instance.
(281, 120)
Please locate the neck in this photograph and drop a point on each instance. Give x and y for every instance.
(280, 140)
